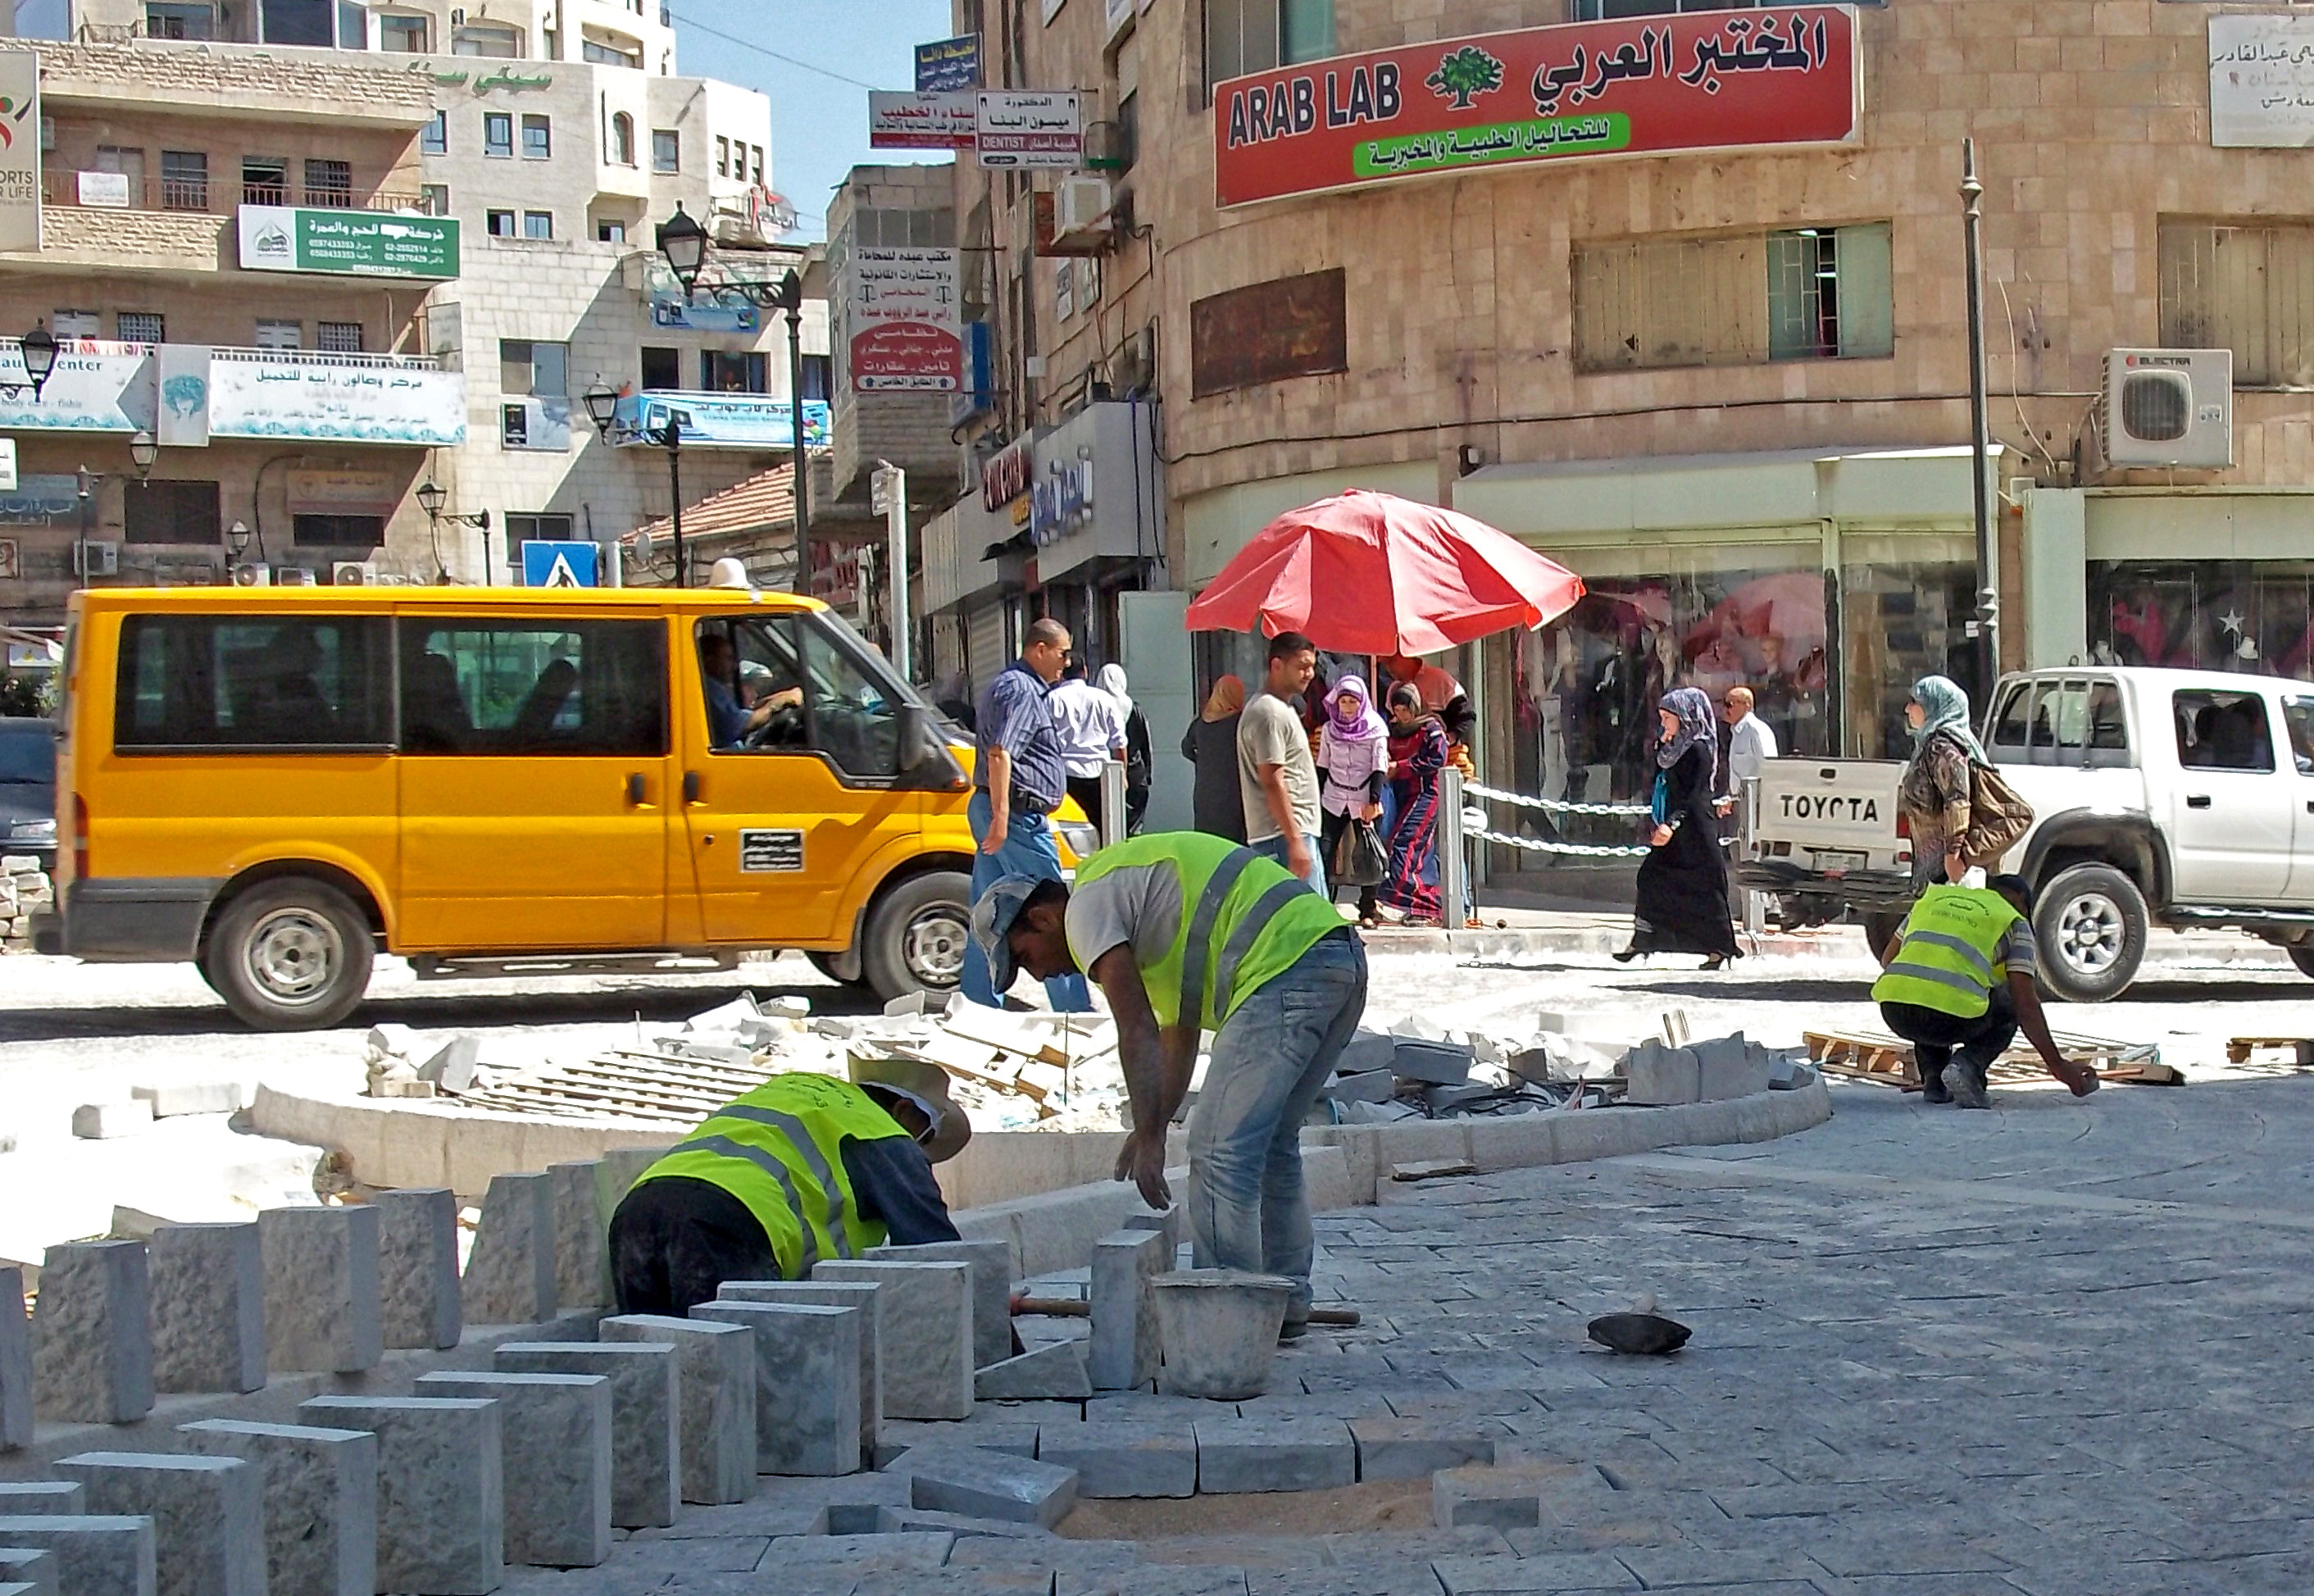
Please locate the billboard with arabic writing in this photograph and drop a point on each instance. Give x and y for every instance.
(1644, 85)
(2262, 81)
(905, 318)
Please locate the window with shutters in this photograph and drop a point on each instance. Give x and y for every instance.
(1807, 294)
(339, 337)
(2247, 288)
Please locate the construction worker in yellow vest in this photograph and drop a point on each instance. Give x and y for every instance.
(801, 1168)
(1957, 983)
(1184, 931)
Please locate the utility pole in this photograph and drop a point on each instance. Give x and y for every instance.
(1987, 551)
(891, 496)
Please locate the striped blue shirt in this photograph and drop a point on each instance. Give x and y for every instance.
(1012, 715)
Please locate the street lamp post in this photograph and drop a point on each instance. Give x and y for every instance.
(603, 409)
(1987, 551)
(88, 481)
(431, 497)
(142, 451)
(38, 349)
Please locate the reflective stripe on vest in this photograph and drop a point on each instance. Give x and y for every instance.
(1950, 958)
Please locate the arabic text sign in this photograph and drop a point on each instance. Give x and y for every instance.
(283, 395)
(720, 421)
(98, 385)
(20, 150)
(366, 243)
(1654, 85)
(906, 319)
(2262, 81)
(948, 63)
(1031, 128)
(945, 121)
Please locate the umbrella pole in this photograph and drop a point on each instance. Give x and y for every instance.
(1452, 863)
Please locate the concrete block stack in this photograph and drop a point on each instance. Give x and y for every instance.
(25, 890)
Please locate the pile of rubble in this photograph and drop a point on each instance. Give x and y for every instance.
(25, 891)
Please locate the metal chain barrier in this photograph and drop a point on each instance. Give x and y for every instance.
(1555, 805)
(1580, 849)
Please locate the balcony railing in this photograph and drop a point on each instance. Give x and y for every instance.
(209, 196)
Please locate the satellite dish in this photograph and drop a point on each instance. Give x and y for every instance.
(646, 546)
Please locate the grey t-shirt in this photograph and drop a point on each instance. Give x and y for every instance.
(1270, 733)
(1135, 904)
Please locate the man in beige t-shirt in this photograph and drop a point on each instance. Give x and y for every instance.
(1277, 777)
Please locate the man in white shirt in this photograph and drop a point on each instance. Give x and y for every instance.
(1276, 775)
(1091, 724)
(1751, 744)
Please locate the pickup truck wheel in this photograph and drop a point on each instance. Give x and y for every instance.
(290, 955)
(2302, 956)
(2090, 923)
(918, 933)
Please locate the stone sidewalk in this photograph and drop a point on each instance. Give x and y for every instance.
(2057, 1350)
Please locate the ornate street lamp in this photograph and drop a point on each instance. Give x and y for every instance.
(40, 351)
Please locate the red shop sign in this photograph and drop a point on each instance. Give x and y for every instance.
(1697, 80)
(1004, 475)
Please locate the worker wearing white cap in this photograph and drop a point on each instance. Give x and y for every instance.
(801, 1168)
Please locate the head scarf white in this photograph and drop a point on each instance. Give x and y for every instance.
(1112, 682)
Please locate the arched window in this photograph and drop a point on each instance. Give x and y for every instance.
(623, 139)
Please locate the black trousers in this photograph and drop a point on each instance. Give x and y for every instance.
(1331, 827)
(676, 1240)
(1086, 790)
(1936, 1037)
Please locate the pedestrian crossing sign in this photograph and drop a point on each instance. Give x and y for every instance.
(561, 564)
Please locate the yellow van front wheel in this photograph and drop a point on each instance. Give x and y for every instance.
(918, 933)
(290, 954)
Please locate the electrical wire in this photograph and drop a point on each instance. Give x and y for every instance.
(749, 44)
(2015, 361)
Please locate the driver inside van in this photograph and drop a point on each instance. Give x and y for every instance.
(730, 722)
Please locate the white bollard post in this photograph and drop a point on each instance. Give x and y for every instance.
(1112, 802)
(1747, 809)
(1453, 865)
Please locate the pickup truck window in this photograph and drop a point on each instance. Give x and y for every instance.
(2297, 714)
(2108, 723)
(2222, 731)
(2008, 724)
(2070, 722)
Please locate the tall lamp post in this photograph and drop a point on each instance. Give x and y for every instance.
(431, 496)
(38, 349)
(1987, 551)
(603, 409)
(683, 243)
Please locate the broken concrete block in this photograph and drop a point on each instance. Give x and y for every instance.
(319, 1492)
(1126, 1348)
(15, 1362)
(207, 1514)
(452, 1066)
(985, 1485)
(554, 1433)
(1365, 1052)
(807, 1381)
(1485, 1498)
(441, 1505)
(1236, 1455)
(96, 1554)
(1418, 1448)
(715, 1384)
(582, 1242)
(92, 1334)
(510, 1275)
(391, 1041)
(322, 1310)
(1434, 1064)
(170, 1099)
(1662, 1077)
(992, 1288)
(923, 1316)
(1367, 1086)
(1116, 1459)
(1729, 1067)
(645, 1445)
(1432, 1168)
(103, 1122)
(1054, 1373)
(208, 1308)
(834, 1293)
(418, 1296)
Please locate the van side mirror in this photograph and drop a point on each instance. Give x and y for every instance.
(926, 763)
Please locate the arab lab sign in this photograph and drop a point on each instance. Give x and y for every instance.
(20, 150)
(2262, 81)
(1642, 86)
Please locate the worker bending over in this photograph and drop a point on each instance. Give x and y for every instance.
(1184, 930)
(1958, 983)
(801, 1168)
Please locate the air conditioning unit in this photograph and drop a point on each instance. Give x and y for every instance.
(253, 576)
(292, 575)
(94, 558)
(2168, 408)
(1080, 210)
(353, 573)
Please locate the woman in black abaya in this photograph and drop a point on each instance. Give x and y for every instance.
(1682, 897)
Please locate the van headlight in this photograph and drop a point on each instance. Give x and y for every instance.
(1083, 837)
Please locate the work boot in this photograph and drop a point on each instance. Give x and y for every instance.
(1968, 1086)
(1932, 1084)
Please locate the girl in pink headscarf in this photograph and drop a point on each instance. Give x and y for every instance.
(1353, 762)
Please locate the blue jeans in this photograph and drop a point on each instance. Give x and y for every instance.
(1275, 848)
(1248, 1209)
(1027, 850)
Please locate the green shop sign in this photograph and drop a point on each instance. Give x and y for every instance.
(358, 243)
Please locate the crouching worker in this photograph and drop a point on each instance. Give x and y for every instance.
(1957, 985)
(801, 1168)
(1183, 931)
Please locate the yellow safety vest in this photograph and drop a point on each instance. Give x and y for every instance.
(1245, 918)
(780, 1150)
(1951, 957)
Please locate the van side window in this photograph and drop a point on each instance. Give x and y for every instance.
(220, 683)
(2222, 731)
(786, 683)
(574, 687)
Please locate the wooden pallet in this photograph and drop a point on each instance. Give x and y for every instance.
(2239, 1048)
(1881, 1056)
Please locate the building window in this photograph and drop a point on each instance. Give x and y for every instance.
(436, 139)
(140, 327)
(329, 184)
(622, 148)
(608, 54)
(337, 532)
(166, 18)
(184, 179)
(538, 224)
(529, 368)
(280, 335)
(175, 512)
(404, 35)
(1244, 36)
(298, 22)
(500, 223)
(1811, 294)
(755, 161)
(76, 324)
(339, 337)
(662, 368)
(485, 39)
(818, 377)
(722, 156)
(2243, 288)
(434, 199)
(720, 373)
(264, 179)
(537, 138)
(498, 134)
(666, 150)
(607, 231)
(530, 528)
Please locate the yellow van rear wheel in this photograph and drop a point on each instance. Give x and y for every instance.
(290, 955)
(918, 933)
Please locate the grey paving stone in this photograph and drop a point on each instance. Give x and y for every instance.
(96, 1554)
(92, 1335)
(208, 1515)
(441, 1494)
(903, 1436)
(28, 1571)
(1414, 1449)
(808, 1381)
(554, 1432)
(924, 1317)
(994, 1486)
(510, 1277)
(858, 1554)
(957, 1581)
(15, 1362)
(1125, 1459)
(1518, 1576)
(207, 1285)
(1399, 1577)
(418, 1293)
(992, 1288)
(1056, 1370)
(834, 1293)
(320, 1488)
(646, 1439)
(1126, 1350)
(1246, 1455)
(322, 1312)
(1217, 1579)
(715, 1380)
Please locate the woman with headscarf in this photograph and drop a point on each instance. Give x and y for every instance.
(1138, 765)
(1933, 793)
(1352, 763)
(1210, 744)
(1683, 892)
(1418, 753)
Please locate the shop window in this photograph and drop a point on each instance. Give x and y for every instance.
(279, 335)
(172, 512)
(500, 223)
(184, 179)
(339, 337)
(264, 179)
(2244, 289)
(498, 134)
(1244, 36)
(662, 367)
(2222, 731)
(666, 150)
(2211, 614)
(1808, 294)
(1905, 609)
(337, 532)
(537, 138)
(329, 183)
(566, 687)
(405, 35)
(222, 683)
(435, 138)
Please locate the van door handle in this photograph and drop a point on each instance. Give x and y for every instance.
(2201, 800)
(690, 787)
(637, 790)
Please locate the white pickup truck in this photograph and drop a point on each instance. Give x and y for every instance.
(2159, 798)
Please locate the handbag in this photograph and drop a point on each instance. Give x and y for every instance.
(1359, 857)
(1998, 818)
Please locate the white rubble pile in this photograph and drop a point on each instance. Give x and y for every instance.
(400, 1064)
(25, 891)
(1011, 1070)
